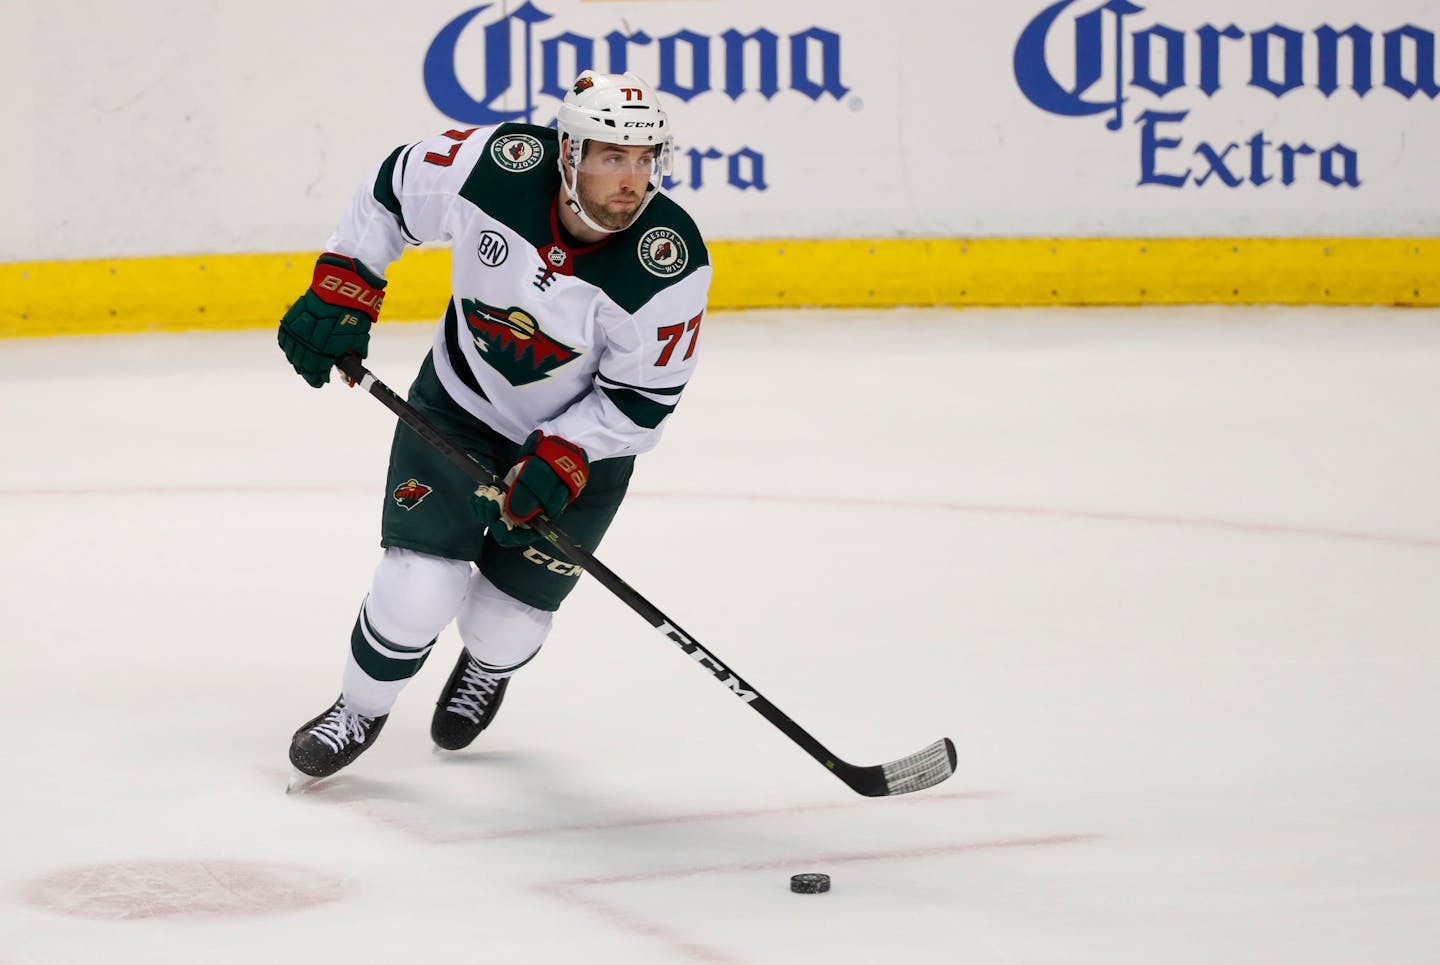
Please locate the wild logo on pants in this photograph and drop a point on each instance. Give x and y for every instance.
(411, 493)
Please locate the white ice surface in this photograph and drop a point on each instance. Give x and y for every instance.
(1170, 579)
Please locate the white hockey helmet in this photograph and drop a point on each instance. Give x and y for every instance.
(615, 109)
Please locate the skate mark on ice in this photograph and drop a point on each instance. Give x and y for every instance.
(408, 816)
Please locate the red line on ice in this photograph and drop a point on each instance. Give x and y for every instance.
(569, 891)
(933, 506)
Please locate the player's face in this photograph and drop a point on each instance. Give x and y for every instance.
(612, 181)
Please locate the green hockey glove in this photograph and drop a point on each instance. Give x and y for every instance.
(332, 318)
(548, 475)
(488, 505)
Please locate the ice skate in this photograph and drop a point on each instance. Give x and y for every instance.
(329, 742)
(467, 705)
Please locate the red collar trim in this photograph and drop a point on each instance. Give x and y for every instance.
(558, 237)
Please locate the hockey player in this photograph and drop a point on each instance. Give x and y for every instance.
(578, 291)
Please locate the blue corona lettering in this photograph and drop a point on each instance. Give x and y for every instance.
(683, 64)
(1117, 60)
(745, 168)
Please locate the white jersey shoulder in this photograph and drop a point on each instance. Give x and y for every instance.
(591, 342)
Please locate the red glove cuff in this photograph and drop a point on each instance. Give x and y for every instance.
(567, 460)
(339, 281)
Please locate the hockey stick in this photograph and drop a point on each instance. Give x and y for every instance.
(916, 772)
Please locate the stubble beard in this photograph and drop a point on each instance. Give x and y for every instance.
(595, 207)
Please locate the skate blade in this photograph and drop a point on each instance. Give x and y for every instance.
(300, 782)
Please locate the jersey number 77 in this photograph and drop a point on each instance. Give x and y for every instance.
(671, 335)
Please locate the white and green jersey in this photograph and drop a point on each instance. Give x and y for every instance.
(593, 343)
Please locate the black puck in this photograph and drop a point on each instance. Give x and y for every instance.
(812, 884)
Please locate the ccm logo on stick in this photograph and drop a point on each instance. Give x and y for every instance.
(708, 661)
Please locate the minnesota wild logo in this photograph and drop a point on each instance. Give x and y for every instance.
(517, 152)
(511, 341)
(410, 493)
(662, 251)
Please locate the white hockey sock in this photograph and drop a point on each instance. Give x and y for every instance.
(412, 598)
(499, 631)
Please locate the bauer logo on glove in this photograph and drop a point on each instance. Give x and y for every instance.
(349, 291)
(548, 475)
(577, 472)
(332, 318)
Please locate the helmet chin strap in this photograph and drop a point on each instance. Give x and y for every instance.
(572, 201)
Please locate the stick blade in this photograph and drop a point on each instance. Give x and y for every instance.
(920, 770)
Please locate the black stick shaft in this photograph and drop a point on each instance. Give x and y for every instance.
(868, 783)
